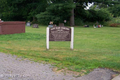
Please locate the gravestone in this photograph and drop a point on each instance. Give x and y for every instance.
(61, 24)
(28, 24)
(50, 25)
(35, 25)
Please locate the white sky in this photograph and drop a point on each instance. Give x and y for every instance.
(89, 5)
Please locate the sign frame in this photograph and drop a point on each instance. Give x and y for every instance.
(71, 36)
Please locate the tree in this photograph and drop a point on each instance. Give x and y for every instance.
(22, 9)
(27, 9)
(68, 2)
(81, 4)
(56, 12)
(115, 10)
(3, 8)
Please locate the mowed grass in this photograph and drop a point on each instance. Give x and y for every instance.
(93, 48)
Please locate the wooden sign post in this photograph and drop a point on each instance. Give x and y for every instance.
(72, 38)
(60, 34)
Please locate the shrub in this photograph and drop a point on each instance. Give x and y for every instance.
(114, 25)
(79, 22)
(103, 15)
(115, 22)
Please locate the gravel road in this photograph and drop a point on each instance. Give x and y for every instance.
(14, 68)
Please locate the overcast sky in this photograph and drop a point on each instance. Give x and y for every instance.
(89, 5)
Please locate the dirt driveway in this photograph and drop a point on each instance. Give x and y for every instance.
(14, 68)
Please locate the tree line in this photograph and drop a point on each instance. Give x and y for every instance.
(73, 11)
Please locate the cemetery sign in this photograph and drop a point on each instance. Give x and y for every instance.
(60, 34)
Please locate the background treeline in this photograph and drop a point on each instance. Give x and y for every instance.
(43, 11)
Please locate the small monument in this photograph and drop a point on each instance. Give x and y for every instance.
(28, 23)
(35, 25)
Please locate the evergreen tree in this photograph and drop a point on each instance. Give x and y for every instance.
(27, 9)
(22, 9)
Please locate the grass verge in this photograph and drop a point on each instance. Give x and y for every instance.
(93, 48)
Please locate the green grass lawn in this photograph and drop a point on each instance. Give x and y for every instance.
(93, 48)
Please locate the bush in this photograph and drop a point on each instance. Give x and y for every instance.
(103, 15)
(78, 22)
(115, 22)
(114, 25)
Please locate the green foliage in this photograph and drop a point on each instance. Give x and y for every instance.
(56, 13)
(103, 15)
(44, 17)
(4, 9)
(91, 15)
(55, 10)
(114, 22)
(21, 10)
(115, 10)
(79, 22)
